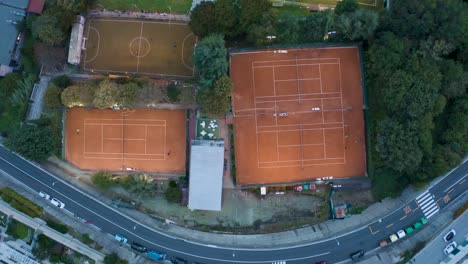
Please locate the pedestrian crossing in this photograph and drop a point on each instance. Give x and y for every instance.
(427, 204)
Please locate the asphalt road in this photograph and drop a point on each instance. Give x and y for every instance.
(333, 250)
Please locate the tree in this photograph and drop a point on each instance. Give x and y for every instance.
(8, 85)
(203, 19)
(315, 26)
(346, 6)
(52, 96)
(173, 93)
(47, 28)
(216, 100)
(126, 94)
(113, 258)
(71, 96)
(358, 25)
(140, 185)
(251, 13)
(289, 30)
(32, 142)
(453, 79)
(103, 180)
(227, 17)
(107, 94)
(397, 145)
(210, 59)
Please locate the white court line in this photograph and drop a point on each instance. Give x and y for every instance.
(139, 21)
(271, 50)
(115, 124)
(98, 43)
(342, 112)
(127, 139)
(139, 46)
(305, 165)
(266, 96)
(165, 140)
(303, 79)
(290, 60)
(285, 161)
(182, 53)
(102, 138)
(285, 146)
(255, 109)
(118, 153)
(308, 64)
(324, 144)
(119, 119)
(146, 137)
(293, 130)
(119, 158)
(307, 99)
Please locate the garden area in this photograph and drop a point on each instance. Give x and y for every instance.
(207, 129)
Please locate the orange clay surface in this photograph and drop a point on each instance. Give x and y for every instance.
(150, 140)
(298, 114)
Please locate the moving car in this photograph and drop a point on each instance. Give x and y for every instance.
(357, 255)
(449, 236)
(44, 195)
(450, 248)
(121, 238)
(57, 203)
(138, 247)
(176, 260)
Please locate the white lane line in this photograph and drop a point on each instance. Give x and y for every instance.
(456, 183)
(422, 194)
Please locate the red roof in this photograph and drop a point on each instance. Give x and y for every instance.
(36, 6)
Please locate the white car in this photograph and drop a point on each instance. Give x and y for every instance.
(449, 236)
(57, 203)
(44, 195)
(401, 234)
(121, 238)
(393, 238)
(450, 248)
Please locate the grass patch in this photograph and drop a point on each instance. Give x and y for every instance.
(356, 210)
(20, 203)
(161, 6)
(17, 230)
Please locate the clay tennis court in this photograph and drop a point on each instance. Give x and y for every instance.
(139, 47)
(298, 114)
(150, 140)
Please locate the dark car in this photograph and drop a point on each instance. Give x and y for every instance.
(138, 247)
(321, 262)
(357, 255)
(176, 260)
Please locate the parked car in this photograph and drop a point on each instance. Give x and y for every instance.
(176, 260)
(321, 262)
(57, 203)
(401, 234)
(120, 238)
(393, 238)
(138, 247)
(44, 195)
(357, 255)
(449, 236)
(156, 255)
(450, 248)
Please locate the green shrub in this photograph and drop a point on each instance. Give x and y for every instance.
(173, 193)
(57, 226)
(86, 239)
(460, 210)
(173, 93)
(61, 81)
(103, 180)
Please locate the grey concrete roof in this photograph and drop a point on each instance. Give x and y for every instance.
(76, 41)
(10, 11)
(206, 175)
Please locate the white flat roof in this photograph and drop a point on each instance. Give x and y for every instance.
(206, 175)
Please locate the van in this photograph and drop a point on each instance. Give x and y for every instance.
(121, 238)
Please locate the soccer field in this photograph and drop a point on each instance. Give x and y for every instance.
(139, 47)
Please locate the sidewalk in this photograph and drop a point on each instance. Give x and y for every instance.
(288, 238)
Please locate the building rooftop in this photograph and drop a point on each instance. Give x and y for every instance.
(206, 175)
(11, 12)
(36, 6)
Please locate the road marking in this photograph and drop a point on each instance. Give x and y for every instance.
(450, 191)
(373, 232)
(389, 225)
(403, 217)
(426, 202)
(460, 182)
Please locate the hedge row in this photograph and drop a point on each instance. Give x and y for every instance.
(20, 203)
